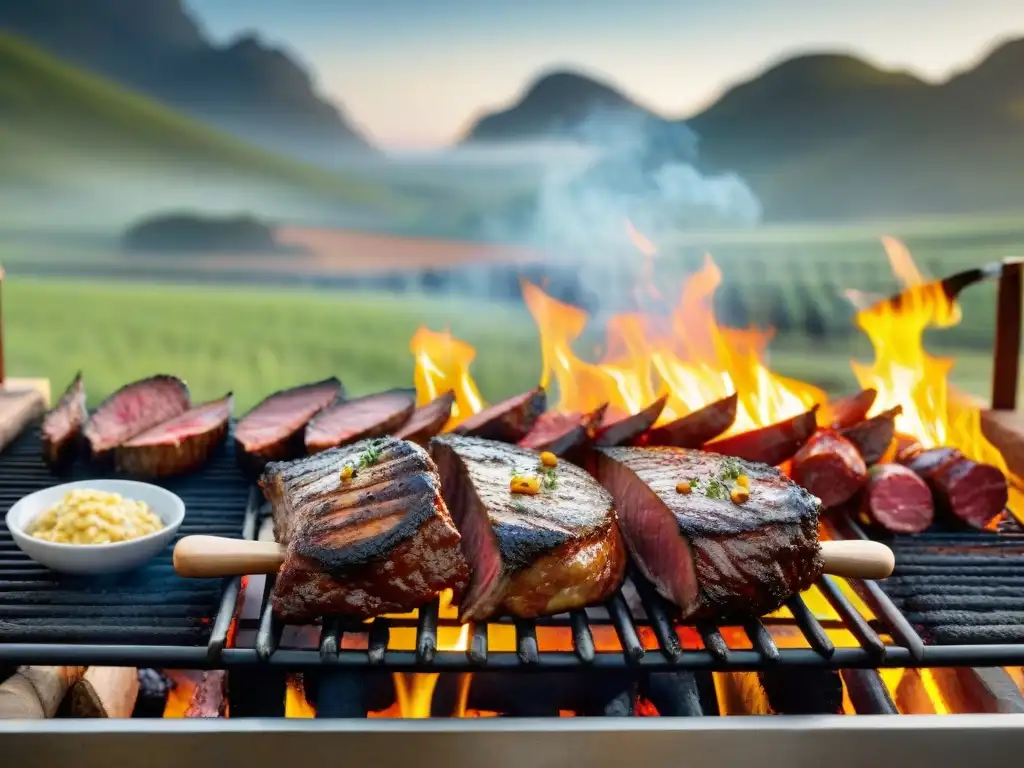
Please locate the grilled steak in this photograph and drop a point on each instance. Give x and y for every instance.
(712, 557)
(509, 421)
(273, 430)
(62, 426)
(563, 433)
(427, 420)
(616, 430)
(353, 420)
(531, 555)
(178, 445)
(380, 541)
(132, 410)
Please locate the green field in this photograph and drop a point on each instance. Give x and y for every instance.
(253, 342)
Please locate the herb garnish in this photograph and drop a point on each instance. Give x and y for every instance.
(549, 478)
(371, 455)
(717, 486)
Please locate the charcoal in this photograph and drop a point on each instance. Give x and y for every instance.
(154, 686)
(674, 694)
(587, 693)
(803, 691)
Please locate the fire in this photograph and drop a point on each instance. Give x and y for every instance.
(442, 365)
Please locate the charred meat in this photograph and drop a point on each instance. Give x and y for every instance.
(349, 421)
(366, 532)
(509, 421)
(714, 554)
(563, 433)
(132, 410)
(427, 420)
(176, 446)
(532, 554)
(273, 430)
(62, 426)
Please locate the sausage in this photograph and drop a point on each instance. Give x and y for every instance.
(772, 444)
(847, 411)
(624, 431)
(693, 429)
(898, 500)
(968, 493)
(872, 437)
(830, 467)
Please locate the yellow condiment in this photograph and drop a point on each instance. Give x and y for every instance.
(85, 516)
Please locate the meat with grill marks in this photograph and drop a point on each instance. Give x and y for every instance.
(133, 409)
(713, 557)
(531, 555)
(370, 539)
(62, 426)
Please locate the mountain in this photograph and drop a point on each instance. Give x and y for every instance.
(246, 87)
(829, 136)
(68, 139)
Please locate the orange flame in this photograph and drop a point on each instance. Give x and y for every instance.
(442, 365)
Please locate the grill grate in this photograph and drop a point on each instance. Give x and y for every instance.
(151, 608)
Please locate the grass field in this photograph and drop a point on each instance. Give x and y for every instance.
(253, 342)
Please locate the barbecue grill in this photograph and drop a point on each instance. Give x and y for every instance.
(959, 640)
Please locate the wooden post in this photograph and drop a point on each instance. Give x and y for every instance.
(1006, 353)
(1, 330)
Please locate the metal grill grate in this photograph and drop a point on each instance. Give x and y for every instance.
(151, 611)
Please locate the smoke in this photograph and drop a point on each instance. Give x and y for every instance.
(639, 168)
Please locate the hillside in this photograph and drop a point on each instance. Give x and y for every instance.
(830, 136)
(156, 47)
(64, 131)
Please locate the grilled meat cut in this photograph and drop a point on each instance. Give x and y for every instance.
(349, 421)
(273, 430)
(132, 410)
(773, 444)
(967, 492)
(62, 426)
(178, 445)
(897, 500)
(531, 555)
(830, 467)
(509, 421)
(712, 557)
(695, 428)
(563, 433)
(872, 437)
(617, 430)
(427, 420)
(378, 541)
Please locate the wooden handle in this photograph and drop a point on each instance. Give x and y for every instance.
(200, 557)
(857, 559)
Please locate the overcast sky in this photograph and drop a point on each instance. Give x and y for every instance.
(414, 73)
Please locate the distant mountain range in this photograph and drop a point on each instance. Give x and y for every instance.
(826, 136)
(153, 46)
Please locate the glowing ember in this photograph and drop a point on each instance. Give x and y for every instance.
(442, 365)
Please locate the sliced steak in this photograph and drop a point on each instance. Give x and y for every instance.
(273, 430)
(773, 444)
(563, 433)
(847, 411)
(349, 421)
(176, 446)
(132, 410)
(872, 437)
(616, 430)
(509, 421)
(714, 558)
(694, 429)
(378, 542)
(62, 426)
(427, 420)
(531, 555)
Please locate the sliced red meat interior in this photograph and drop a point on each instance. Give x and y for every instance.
(530, 554)
(970, 494)
(375, 540)
(897, 500)
(619, 430)
(873, 437)
(509, 421)
(427, 420)
(178, 445)
(349, 421)
(694, 429)
(830, 467)
(273, 430)
(563, 433)
(62, 426)
(847, 411)
(773, 444)
(711, 556)
(133, 409)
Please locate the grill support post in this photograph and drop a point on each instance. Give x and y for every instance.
(1006, 352)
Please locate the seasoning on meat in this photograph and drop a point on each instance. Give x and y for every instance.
(531, 555)
(273, 430)
(349, 421)
(509, 421)
(62, 426)
(379, 542)
(132, 410)
(713, 558)
(179, 445)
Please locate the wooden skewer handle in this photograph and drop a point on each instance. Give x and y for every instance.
(858, 559)
(200, 557)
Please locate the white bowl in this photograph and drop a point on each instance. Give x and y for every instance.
(84, 559)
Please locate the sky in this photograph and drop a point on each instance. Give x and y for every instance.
(415, 73)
